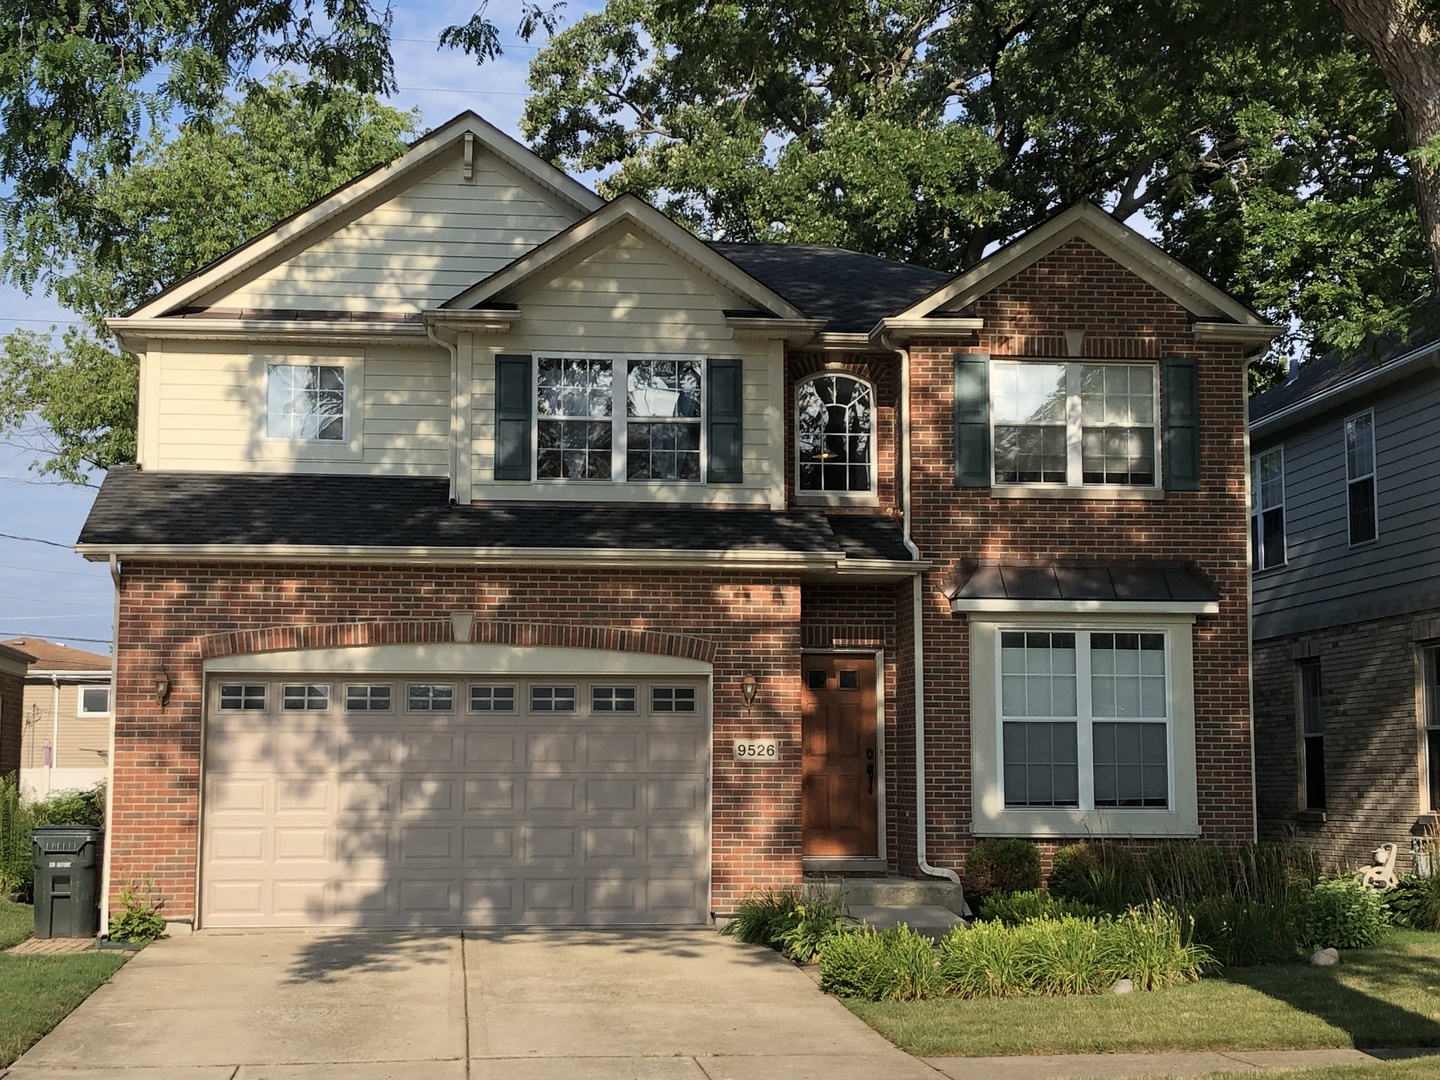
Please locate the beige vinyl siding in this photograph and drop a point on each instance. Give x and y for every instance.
(413, 250)
(625, 295)
(210, 410)
(83, 740)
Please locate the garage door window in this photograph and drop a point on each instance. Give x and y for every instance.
(492, 699)
(307, 696)
(552, 699)
(672, 699)
(248, 698)
(430, 697)
(612, 699)
(368, 698)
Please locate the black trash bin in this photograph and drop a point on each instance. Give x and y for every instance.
(67, 862)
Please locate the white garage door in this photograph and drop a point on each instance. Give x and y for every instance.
(425, 801)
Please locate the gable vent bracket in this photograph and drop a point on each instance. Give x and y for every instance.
(467, 169)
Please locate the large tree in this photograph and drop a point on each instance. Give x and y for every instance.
(1257, 136)
(180, 203)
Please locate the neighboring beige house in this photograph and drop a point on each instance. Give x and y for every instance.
(65, 718)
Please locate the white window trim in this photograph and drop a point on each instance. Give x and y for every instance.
(1257, 510)
(619, 421)
(870, 497)
(264, 448)
(1075, 487)
(1373, 476)
(990, 816)
(80, 709)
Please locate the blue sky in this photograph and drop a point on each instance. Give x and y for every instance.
(51, 592)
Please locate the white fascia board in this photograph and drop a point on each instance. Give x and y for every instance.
(643, 216)
(1237, 333)
(1085, 221)
(569, 557)
(885, 567)
(1088, 607)
(70, 675)
(422, 151)
(474, 322)
(905, 329)
(135, 331)
(795, 332)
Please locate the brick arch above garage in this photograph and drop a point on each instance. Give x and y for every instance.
(291, 638)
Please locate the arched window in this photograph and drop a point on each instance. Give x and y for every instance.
(834, 425)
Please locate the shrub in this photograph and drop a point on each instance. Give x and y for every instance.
(138, 920)
(879, 965)
(1100, 873)
(17, 875)
(1344, 914)
(1415, 902)
(791, 922)
(1002, 865)
(1022, 907)
(72, 808)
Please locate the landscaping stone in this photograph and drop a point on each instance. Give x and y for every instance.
(1325, 957)
(1124, 986)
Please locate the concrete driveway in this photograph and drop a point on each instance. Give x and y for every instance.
(530, 1005)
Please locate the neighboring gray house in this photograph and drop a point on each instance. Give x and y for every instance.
(1345, 556)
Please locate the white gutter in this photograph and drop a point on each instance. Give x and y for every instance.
(107, 861)
(918, 614)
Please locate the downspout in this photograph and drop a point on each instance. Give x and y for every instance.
(1250, 616)
(110, 757)
(918, 615)
(455, 418)
(54, 733)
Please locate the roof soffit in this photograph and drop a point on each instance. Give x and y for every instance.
(1088, 223)
(583, 237)
(367, 190)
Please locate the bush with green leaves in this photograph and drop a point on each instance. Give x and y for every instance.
(1022, 907)
(1415, 902)
(19, 816)
(71, 808)
(1342, 913)
(879, 965)
(1002, 865)
(793, 922)
(1100, 873)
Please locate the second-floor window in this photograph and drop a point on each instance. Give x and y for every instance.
(610, 418)
(1267, 510)
(1074, 424)
(834, 434)
(305, 402)
(1360, 477)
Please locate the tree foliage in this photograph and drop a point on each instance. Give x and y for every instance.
(1258, 137)
(181, 203)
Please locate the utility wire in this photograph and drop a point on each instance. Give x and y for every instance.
(36, 540)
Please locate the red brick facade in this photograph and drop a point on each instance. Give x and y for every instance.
(12, 693)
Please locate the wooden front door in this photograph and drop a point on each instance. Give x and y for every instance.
(841, 759)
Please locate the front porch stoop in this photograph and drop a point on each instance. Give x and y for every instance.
(931, 907)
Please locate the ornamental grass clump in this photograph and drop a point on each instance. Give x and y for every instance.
(791, 922)
(879, 965)
(1149, 945)
(1012, 909)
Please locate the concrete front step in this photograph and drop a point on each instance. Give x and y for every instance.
(929, 919)
(891, 892)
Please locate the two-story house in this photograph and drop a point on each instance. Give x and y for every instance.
(1345, 511)
(64, 719)
(501, 555)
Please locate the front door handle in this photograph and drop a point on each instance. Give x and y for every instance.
(870, 772)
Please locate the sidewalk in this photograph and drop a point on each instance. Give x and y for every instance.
(1077, 1066)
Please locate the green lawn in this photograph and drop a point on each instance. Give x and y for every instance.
(1385, 996)
(1422, 1069)
(37, 992)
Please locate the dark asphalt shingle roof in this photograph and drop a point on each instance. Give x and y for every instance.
(1065, 581)
(851, 290)
(191, 508)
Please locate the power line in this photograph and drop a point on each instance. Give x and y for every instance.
(36, 540)
(63, 637)
(97, 575)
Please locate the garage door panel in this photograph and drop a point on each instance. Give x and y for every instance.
(588, 817)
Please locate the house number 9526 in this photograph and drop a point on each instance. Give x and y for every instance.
(757, 749)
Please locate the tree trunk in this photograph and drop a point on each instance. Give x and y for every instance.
(1406, 42)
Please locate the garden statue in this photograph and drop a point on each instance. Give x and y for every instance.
(1380, 874)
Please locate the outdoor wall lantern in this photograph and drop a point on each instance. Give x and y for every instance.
(748, 689)
(162, 688)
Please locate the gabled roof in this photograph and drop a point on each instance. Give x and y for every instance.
(849, 290)
(626, 210)
(1086, 221)
(52, 656)
(323, 212)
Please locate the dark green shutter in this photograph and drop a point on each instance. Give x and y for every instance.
(514, 389)
(726, 424)
(1180, 390)
(972, 420)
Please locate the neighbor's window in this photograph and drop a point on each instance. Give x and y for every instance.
(305, 402)
(1267, 510)
(834, 428)
(1074, 424)
(1312, 733)
(616, 419)
(1084, 719)
(94, 701)
(1360, 477)
(1432, 724)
